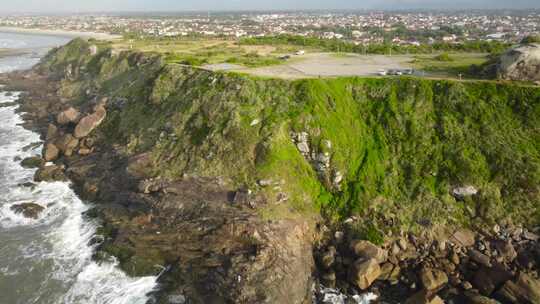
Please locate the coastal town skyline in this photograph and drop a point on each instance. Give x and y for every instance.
(64, 6)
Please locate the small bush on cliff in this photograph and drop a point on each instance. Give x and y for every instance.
(531, 39)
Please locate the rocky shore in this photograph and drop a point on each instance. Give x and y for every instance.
(212, 240)
(207, 242)
(459, 266)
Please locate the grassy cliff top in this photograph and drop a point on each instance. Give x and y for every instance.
(391, 150)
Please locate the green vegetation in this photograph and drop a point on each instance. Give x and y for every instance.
(531, 39)
(337, 45)
(401, 144)
(198, 52)
(451, 65)
(444, 57)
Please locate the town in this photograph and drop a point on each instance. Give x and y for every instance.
(360, 27)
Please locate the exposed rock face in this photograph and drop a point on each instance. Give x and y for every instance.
(70, 115)
(29, 210)
(89, 123)
(522, 63)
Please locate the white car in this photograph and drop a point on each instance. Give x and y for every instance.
(382, 73)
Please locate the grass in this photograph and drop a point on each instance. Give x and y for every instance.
(401, 143)
(198, 52)
(449, 65)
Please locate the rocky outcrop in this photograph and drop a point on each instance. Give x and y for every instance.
(521, 63)
(88, 123)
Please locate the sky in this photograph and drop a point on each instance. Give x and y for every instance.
(50, 6)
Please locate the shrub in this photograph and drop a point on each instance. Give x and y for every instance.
(444, 57)
(531, 39)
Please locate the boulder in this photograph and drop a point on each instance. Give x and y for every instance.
(367, 250)
(463, 192)
(51, 152)
(52, 132)
(70, 115)
(88, 123)
(526, 290)
(521, 64)
(364, 272)
(50, 173)
(93, 49)
(29, 210)
(328, 258)
(432, 279)
(422, 297)
(479, 258)
(67, 143)
(506, 250)
(476, 298)
(487, 280)
(463, 237)
(32, 162)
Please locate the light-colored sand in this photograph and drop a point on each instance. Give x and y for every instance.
(329, 65)
(62, 33)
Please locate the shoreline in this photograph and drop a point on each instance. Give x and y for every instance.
(59, 33)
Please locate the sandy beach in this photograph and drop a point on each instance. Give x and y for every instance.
(62, 33)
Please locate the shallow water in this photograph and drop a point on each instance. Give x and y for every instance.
(48, 260)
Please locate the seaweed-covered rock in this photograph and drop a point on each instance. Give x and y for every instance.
(29, 210)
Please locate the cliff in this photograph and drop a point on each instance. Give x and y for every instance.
(221, 175)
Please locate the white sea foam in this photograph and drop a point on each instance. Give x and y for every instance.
(64, 233)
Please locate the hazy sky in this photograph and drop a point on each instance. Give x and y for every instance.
(7, 6)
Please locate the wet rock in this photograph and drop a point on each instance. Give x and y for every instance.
(70, 115)
(329, 278)
(176, 299)
(367, 250)
(50, 173)
(328, 258)
(29, 210)
(51, 152)
(364, 272)
(432, 279)
(88, 123)
(32, 162)
(526, 290)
